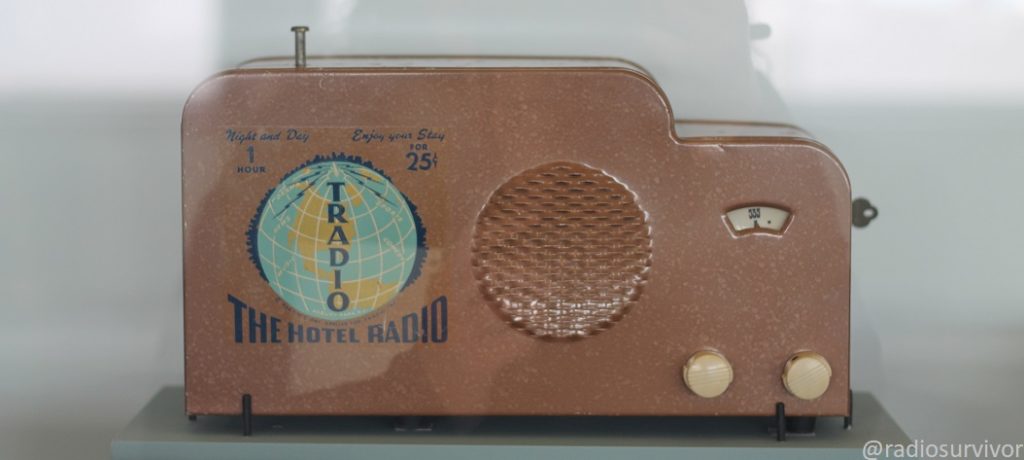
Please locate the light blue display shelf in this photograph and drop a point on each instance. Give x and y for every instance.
(161, 431)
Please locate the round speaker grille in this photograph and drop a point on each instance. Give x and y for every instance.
(562, 250)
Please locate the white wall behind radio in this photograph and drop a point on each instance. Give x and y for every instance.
(922, 100)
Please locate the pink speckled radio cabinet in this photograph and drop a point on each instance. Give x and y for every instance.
(504, 237)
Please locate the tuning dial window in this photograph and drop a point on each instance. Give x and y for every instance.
(757, 219)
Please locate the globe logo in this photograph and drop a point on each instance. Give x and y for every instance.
(336, 240)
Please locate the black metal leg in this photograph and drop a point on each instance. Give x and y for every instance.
(192, 417)
(780, 421)
(246, 415)
(848, 420)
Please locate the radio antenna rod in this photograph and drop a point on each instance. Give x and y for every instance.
(300, 45)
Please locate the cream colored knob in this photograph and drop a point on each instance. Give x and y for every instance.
(707, 373)
(807, 375)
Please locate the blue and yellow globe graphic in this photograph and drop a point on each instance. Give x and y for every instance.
(337, 240)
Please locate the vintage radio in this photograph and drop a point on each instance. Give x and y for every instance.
(441, 236)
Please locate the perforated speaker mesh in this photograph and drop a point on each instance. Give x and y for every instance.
(562, 250)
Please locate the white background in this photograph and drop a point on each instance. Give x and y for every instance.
(923, 100)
